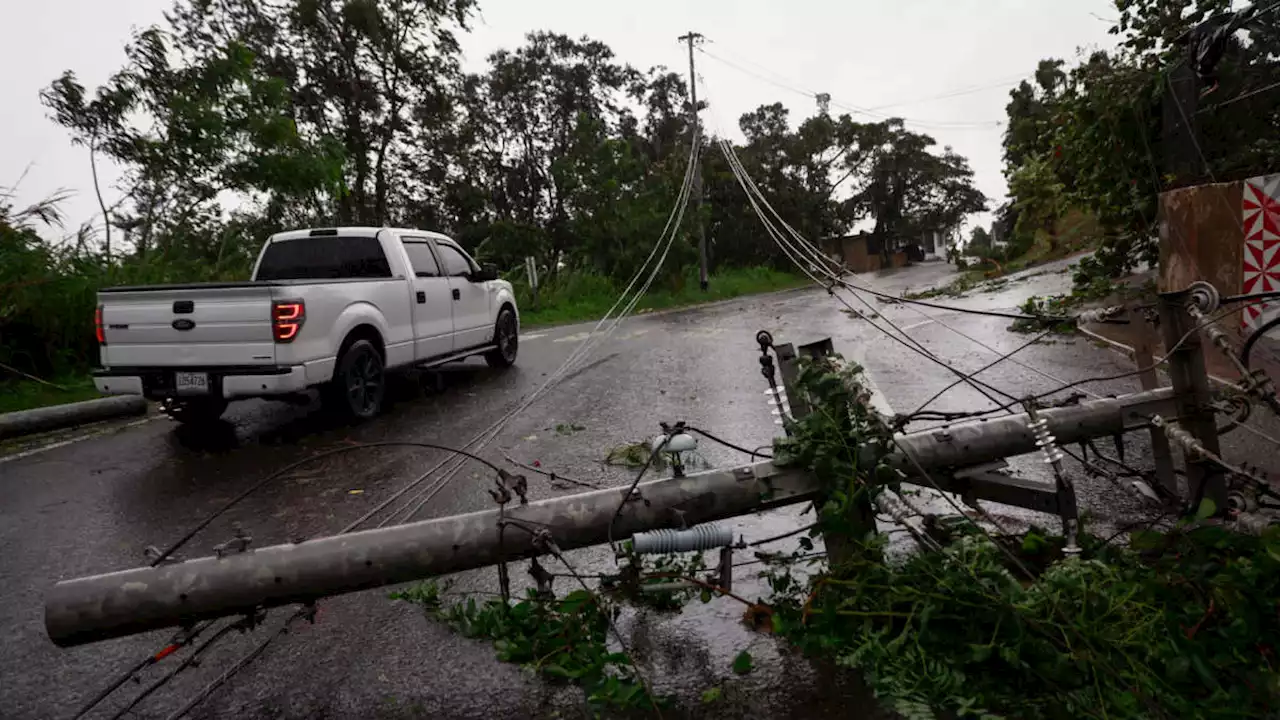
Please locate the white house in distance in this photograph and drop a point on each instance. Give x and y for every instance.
(937, 243)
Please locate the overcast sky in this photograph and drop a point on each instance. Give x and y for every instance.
(889, 56)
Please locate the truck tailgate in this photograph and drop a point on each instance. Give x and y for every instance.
(219, 324)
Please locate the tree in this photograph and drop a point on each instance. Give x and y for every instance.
(1092, 138)
(910, 189)
(979, 244)
(234, 119)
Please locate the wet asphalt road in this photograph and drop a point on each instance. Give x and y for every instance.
(93, 505)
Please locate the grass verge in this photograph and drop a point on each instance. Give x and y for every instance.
(27, 394)
(580, 297)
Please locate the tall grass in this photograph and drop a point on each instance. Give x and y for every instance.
(579, 296)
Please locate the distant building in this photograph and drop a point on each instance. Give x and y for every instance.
(859, 252)
(937, 243)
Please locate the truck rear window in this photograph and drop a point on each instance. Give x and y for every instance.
(324, 258)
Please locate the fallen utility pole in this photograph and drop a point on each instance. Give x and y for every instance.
(139, 600)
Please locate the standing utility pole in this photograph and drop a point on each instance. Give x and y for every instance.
(690, 37)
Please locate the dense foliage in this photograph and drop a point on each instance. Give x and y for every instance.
(236, 118)
(1181, 624)
(1101, 137)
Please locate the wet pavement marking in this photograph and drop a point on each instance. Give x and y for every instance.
(76, 439)
(532, 336)
(922, 323)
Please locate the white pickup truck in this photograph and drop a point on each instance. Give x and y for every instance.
(331, 308)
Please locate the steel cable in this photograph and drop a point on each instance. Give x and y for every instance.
(580, 352)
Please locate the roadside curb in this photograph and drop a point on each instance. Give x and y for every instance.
(26, 422)
(1127, 350)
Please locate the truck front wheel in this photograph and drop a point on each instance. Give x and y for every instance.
(506, 337)
(359, 382)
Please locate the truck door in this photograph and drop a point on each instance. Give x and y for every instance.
(431, 300)
(472, 323)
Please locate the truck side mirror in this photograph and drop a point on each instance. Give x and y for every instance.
(486, 273)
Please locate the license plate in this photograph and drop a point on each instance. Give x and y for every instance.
(191, 383)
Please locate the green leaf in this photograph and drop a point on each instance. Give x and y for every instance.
(1177, 667)
(1272, 546)
(711, 695)
(558, 671)
(1202, 669)
(742, 663)
(1146, 540)
(1206, 510)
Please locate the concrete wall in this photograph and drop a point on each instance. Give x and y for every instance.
(1200, 237)
(853, 251)
(856, 257)
(1227, 234)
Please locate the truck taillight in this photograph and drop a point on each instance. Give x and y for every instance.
(287, 317)
(98, 328)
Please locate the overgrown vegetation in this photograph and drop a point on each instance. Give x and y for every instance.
(22, 394)
(1093, 138)
(1088, 287)
(568, 639)
(577, 297)
(562, 639)
(1181, 623)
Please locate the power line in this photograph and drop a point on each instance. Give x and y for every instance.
(794, 254)
(653, 455)
(821, 260)
(243, 662)
(179, 641)
(735, 164)
(982, 369)
(957, 93)
(753, 192)
(1238, 98)
(187, 662)
(575, 357)
(161, 557)
(937, 124)
(1119, 376)
(732, 446)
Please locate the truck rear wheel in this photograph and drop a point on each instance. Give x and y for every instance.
(506, 334)
(359, 382)
(195, 410)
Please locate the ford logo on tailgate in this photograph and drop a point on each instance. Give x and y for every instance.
(183, 324)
